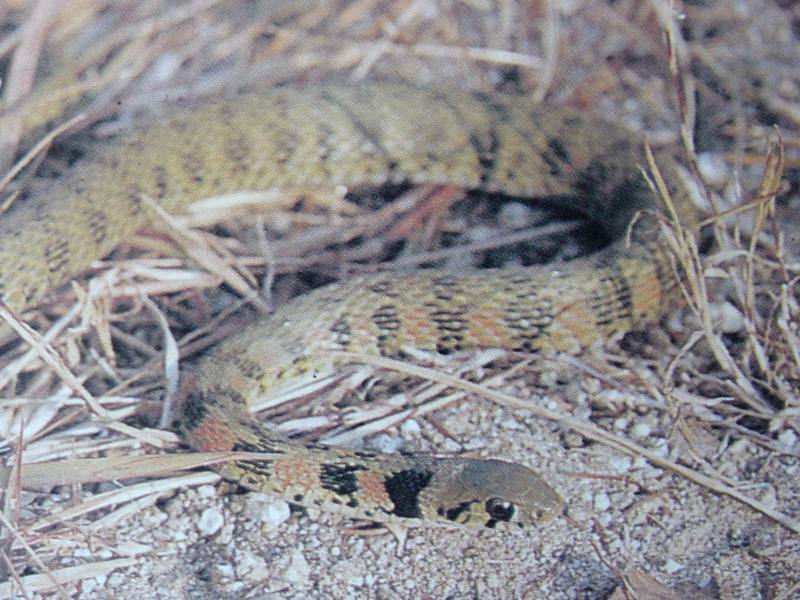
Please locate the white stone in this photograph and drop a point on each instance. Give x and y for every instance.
(713, 167)
(661, 447)
(787, 438)
(275, 514)
(727, 318)
(210, 521)
(476, 443)
(226, 571)
(620, 424)
(206, 491)
(548, 379)
(769, 496)
(619, 464)
(384, 442)
(641, 430)
(651, 472)
(672, 567)
(515, 214)
(738, 446)
(298, 572)
(410, 427)
(601, 502)
(252, 566)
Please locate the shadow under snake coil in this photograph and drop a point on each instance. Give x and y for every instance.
(372, 134)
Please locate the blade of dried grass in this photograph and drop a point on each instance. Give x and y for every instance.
(123, 466)
(551, 35)
(771, 182)
(110, 468)
(121, 496)
(43, 583)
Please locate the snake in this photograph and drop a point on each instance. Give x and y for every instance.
(307, 137)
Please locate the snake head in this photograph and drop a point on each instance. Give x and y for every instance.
(495, 494)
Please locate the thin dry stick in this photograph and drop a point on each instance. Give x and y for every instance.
(552, 33)
(584, 428)
(41, 583)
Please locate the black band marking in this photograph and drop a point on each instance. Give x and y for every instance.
(404, 488)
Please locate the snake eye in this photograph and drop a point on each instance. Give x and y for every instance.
(499, 509)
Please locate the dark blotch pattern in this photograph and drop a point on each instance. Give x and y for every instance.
(57, 255)
(194, 409)
(98, 226)
(404, 488)
(340, 478)
(342, 330)
(453, 513)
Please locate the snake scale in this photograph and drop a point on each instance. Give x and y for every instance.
(361, 135)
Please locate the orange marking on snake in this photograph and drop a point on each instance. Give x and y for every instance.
(486, 326)
(295, 471)
(372, 487)
(212, 435)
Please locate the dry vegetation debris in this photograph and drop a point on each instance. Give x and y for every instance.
(710, 395)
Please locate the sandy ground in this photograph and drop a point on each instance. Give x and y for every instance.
(627, 522)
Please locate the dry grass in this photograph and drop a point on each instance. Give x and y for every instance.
(78, 391)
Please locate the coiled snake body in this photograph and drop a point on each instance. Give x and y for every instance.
(368, 135)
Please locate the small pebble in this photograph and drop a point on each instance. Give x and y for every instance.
(738, 446)
(548, 379)
(226, 571)
(206, 491)
(275, 514)
(787, 438)
(672, 567)
(476, 444)
(210, 521)
(601, 502)
(620, 464)
(620, 424)
(641, 430)
(573, 439)
(383, 442)
(769, 497)
(410, 427)
(298, 572)
(516, 214)
(252, 566)
(713, 167)
(727, 318)
(661, 447)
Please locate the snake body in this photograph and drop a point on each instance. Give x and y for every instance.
(369, 134)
